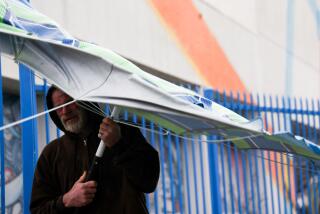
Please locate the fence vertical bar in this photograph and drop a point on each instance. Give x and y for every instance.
(301, 185)
(214, 177)
(2, 178)
(223, 178)
(291, 161)
(299, 160)
(276, 157)
(244, 162)
(236, 157)
(250, 162)
(153, 143)
(257, 168)
(295, 163)
(308, 133)
(195, 180)
(251, 176)
(308, 185)
(58, 132)
(144, 133)
(314, 121)
(230, 163)
(281, 160)
(163, 169)
(316, 196)
(308, 114)
(29, 132)
(179, 175)
(236, 160)
(269, 160)
(283, 184)
(302, 119)
(319, 113)
(213, 168)
(45, 91)
(171, 172)
(289, 112)
(202, 177)
(263, 164)
(243, 159)
(296, 113)
(222, 164)
(288, 159)
(185, 149)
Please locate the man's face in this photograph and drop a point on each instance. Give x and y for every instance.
(72, 117)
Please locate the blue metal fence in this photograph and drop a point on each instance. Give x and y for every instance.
(28, 107)
(201, 177)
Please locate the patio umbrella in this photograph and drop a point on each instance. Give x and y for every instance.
(88, 72)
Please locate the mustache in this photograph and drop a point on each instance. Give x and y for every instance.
(70, 115)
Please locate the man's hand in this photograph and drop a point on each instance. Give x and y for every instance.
(81, 194)
(109, 132)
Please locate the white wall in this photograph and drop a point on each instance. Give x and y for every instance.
(274, 49)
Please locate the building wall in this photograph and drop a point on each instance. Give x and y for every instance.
(257, 46)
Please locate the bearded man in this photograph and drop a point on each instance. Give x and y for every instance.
(129, 167)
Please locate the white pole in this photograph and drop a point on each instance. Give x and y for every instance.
(99, 153)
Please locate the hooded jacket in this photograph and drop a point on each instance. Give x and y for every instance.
(128, 170)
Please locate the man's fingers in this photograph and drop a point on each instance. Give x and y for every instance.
(82, 177)
(87, 201)
(89, 196)
(90, 187)
(90, 191)
(91, 184)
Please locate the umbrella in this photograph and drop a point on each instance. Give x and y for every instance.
(88, 72)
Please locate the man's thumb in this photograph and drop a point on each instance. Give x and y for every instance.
(82, 178)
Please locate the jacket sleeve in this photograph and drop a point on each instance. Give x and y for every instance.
(139, 160)
(46, 197)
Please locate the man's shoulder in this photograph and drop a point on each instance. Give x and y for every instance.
(54, 145)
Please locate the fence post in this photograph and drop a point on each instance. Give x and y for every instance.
(213, 168)
(29, 132)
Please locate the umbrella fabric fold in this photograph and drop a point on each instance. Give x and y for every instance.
(88, 72)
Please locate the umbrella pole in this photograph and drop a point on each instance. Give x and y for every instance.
(99, 153)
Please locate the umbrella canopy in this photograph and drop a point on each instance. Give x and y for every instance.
(89, 72)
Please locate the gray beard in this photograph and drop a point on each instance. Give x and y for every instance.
(76, 126)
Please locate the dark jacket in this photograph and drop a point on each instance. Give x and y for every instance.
(128, 170)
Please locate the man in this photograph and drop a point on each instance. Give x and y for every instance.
(129, 167)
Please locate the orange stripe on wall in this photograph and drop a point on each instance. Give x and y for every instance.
(193, 35)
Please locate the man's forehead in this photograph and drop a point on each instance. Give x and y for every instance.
(59, 96)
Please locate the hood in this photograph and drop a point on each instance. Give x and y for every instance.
(93, 118)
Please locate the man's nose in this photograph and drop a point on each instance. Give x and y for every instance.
(65, 110)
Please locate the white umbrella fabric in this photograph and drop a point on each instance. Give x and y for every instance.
(88, 72)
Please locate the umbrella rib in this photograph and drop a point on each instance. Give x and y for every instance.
(34, 116)
(92, 108)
